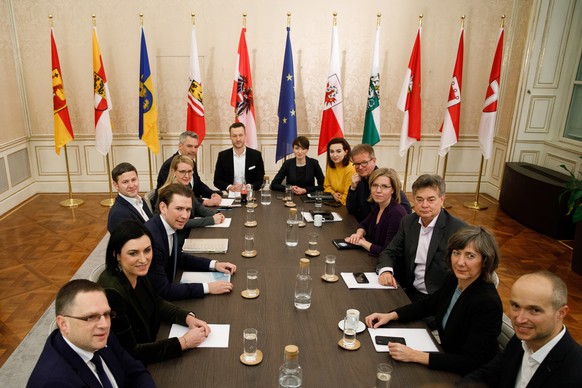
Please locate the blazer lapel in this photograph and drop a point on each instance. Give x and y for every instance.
(550, 363)
(75, 361)
(436, 237)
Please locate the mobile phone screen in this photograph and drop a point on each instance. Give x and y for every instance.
(383, 340)
(361, 277)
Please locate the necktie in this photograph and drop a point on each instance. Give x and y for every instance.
(175, 253)
(96, 360)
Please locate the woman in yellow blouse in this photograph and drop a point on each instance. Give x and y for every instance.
(339, 171)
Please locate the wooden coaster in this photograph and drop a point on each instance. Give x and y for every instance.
(290, 204)
(355, 347)
(245, 294)
(302, 224)
(250, 254)
(252, 205)
(250, 224)
(332, 279)
(257, 361)
(312, 253)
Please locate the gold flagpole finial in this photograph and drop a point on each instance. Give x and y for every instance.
(51, 20)
(141, 19)
(94, 20)
(288, 19)
(502, 21)
(463, 21)
(420, 21)
(335, 18)
(378, 17)
(245, 20)
(193, 18)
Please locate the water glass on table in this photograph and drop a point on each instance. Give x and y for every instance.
(252, 283)
(318, 199)
(329, 268)
(250, 345)
(383, 375)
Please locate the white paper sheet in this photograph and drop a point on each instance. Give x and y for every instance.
(309, 218)
(224, 224)
(350, 281)
(234, 194)
(218, 337)
(204, 277)
(225, 202)
(418, 339)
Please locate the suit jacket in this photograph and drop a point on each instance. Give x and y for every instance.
(401, 251)
(224, 171)
(380, 234)
(469, 339)
(561, 368)
(357, 201)
(289, 171)
(124, 211)
(139, 313)
(60, 366)
(162, 267)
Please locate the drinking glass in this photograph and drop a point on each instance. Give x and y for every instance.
(252, 282)
(318, 199)
(312, 242)
(249, 243)
(383, 375)
(250, 344)
(329, 267)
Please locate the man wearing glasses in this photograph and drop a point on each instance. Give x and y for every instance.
(416, 256)
(81, 352)
(188, 145)
(364, 160)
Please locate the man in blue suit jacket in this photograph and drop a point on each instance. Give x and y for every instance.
(416, 256)
(81, 352)
(175, 204)
(128, 204)
(541, 353)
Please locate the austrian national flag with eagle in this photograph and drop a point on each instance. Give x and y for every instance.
(242, 92)
(62, 120)
(487, 124)
(195, 118)
(409, 101)
(332, 121)
(450, 128)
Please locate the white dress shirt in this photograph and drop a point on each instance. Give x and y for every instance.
(87, 356)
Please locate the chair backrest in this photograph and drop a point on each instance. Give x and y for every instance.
(495, 279)
(506, 332)
(53, 325)
(148, 199)
(94, 276)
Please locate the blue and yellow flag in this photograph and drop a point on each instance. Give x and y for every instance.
(287, 131)
(148, 112)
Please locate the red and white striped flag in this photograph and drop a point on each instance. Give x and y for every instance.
(195, 117)
(487, 124)
(332, 120)
(242, 92)
(450, 128)
(103, 129)
(409, 101)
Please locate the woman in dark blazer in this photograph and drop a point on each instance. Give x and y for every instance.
(139, 310)
(300, 171)
(467, 307)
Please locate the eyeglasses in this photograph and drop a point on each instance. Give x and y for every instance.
(362, 164)
(376, 186)
(185, 172)
(94, 318)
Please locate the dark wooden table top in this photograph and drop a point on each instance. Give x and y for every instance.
(315, 331)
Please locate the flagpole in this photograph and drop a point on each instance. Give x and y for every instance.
(288, 26)
(244, 20)
(406, 168)
(148, 148)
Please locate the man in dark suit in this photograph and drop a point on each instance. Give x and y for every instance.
(416, 256)
(128, 204)
(239, 164)
(541, 353)
(175, 205)
(82, 352)
(188, 145)
(357, 203)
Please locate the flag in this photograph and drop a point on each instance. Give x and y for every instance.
(242, 92)
(103, 134)
(450, 127)
(409, 101)
(148, 111)
(487, 124)
(195, 116)
(371, 134)
(62, 121)
(332, 120)
(287, 119)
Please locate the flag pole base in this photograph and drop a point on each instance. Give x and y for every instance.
(107, 202)
(474, 205)
(71, 202)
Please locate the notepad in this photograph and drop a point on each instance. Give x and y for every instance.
(205, 245)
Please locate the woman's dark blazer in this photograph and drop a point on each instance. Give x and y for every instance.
(289, 170)
(135, 330)
(469, 339)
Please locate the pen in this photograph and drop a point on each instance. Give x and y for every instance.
(223, 209)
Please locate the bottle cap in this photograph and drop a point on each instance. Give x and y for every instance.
(304, 262)
(292, 212)
(266, 178)
(291, 350)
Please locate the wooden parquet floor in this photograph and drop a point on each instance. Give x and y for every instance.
(42, 245)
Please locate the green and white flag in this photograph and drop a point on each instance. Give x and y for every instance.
(372, 122)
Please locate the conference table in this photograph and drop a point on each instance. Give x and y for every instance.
(315, 331)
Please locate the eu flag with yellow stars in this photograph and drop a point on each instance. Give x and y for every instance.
(287, 119)
(148, 112)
